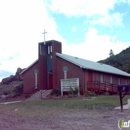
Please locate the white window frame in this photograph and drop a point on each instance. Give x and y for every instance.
(119, 81)
(126, 81)
(49, 49)
(111, 79)
(101, 78)
(40, 48)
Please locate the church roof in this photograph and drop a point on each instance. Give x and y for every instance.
(29, 67)
(86, 64)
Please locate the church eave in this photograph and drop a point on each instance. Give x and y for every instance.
(29, 67)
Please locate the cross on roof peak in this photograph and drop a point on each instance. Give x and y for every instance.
(44, 36)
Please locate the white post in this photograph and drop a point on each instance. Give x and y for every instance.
(61, 88)
(65, 74)
(36, 85)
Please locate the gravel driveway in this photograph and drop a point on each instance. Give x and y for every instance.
(59, 118)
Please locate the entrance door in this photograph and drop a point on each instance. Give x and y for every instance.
(50, 81)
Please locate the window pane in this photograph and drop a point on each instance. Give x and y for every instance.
(111, 79)
(119, 81)
(101, 78)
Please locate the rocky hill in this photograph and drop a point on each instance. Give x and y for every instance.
(120, 61)
(11, 86)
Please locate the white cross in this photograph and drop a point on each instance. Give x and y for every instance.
(44, 36)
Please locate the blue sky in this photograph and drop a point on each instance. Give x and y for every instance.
(86, 28)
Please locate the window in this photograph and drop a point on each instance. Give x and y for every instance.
(126, 81)
(41, 49)
(101, 78)
(119, 81)
(111, 79)
(49, 49)
(36, 78)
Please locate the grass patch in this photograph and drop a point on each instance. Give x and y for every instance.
(101, 102)
(42, 109)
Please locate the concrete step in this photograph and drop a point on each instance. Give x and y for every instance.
(40, 95)
(46, 93)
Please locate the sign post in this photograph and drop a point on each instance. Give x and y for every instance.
(123, 90)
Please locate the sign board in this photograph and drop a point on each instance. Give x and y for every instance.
(66, 84)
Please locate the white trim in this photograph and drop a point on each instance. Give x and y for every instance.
(111, 80)
(101, 78)
(119, 80)
(36, 81)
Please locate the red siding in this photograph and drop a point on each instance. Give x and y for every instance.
(106, 81)
(42, 67)
(56, 48)
(29, 78)
(73, 72)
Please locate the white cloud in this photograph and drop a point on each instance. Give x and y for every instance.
(22, 23)
(97, 11)
(21, 26)
(95, 47)
(108, 20)
(82, 7)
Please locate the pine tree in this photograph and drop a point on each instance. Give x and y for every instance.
(111, 53)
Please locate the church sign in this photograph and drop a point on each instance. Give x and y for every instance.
(66, 84)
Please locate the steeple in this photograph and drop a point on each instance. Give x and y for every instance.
(47, 62)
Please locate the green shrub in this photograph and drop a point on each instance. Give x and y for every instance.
(71, 91)
(14, 89)
(90, 94)
(75, 91)
(18, 90)
(56, 92)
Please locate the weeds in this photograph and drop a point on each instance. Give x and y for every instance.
(56, 92)
(90, 94)
(73, 92)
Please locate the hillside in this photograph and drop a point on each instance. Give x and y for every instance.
(11, 86)
(120, 61)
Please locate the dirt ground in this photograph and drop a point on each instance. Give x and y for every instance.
(48, 118)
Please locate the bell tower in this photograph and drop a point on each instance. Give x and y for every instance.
(47, 64)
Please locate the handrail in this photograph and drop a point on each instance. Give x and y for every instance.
(31, 91)
(98, 84)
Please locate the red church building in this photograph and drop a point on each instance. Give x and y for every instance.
(52, 66)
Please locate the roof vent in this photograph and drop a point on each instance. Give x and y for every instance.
(76, 57)
(100, 63)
